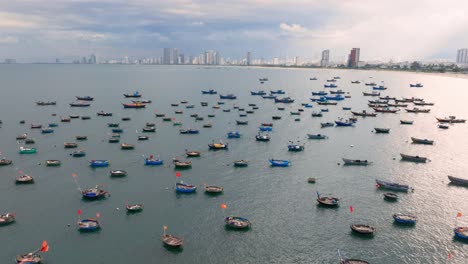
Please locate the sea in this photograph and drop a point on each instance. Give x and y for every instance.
(287, 225)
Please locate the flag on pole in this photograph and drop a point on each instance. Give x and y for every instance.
(44, 246)
(459, 214)
(79, 211)
(351, 209)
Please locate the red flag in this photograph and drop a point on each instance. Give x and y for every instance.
(223, 206)
(459, 214)
(177, 174)
(351, 209)
(98, 215)
(79, 211)
(44, 246)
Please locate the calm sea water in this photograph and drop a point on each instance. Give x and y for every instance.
(288, 227)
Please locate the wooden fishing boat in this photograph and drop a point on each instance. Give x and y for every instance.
(181, 187)
(204, 103)
(352, 261)
(98, 163)
(24, 179)
(29, 258)
(160, 115)
(84, 98)
(7, 218)
(295, 147)
(47, 131)
(327, 124)
(422, 141)
(277, 92)
(233, 134)
(43, 103)
(213, 189)
(392, 186)
(80, 104)
(144, 101)
(381, 130)
(327, 103)
(23, 150)
(172, 241)
(390, 196)
(217, 146)
(102, 113)
(371, 94)
(211, 115)
(85, 117)
(127, 146)
(285, 100)
(241, 163)
(356, 162)
(133, 208)
(228, 96)
(405, 219)
(36, 126)
(250, 111)
(113, 124)
(385, 110)
(118, 173)
(140, 138)
(267, 124)
(450, 119)
(114, 140)
(88, 225)
(458, 181)
(317, 114)
(70, 145)
(276, 117)
(262, 137)
(189, 131)
(117, 130)
(363, 229)
(149, 129)
(422, 103)
(364, 113)
(242, 122)
(279, 163)
(65, 119)
(417, 110)
(81, 138)
(397, 105)
(344, 123)
(461, 232)
(133, 95)
(53, 163)
(311, 180)
(443, 126)
(295, 113)
(181, 164)
(413, 158)
(191, 154)
(328, 200)
(211, 91)
(406, 122)
(22, 136)
(29, 141)
(94, 193)
(258, 92)
(316, 136)
(265, 128)
(80, 153)
(5, 162)
(237, 222)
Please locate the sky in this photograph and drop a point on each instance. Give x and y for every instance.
(41, 30)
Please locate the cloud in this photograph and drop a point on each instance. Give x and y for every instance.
(8, 40)
(293, 28)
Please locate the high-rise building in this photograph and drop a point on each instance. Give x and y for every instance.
(325, 58)
(353, 58)
(167, 56)
(92, 59)
(175, 56)
(249, 58)
(462, 56)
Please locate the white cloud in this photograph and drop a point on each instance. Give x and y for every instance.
(8, 40)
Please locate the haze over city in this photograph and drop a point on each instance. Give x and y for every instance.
(33, 31)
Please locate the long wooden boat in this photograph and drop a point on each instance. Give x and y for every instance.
(228, 96)
(134, 208)
(133, 95)
(371, 94)
(390, 196)
(363, 229)
(241, 163)
(211, 91)
(237, 222)
(53, 163)
(356, 162)
(364, 113)
(417, 110)
(182, 164)
(185, 188)
(385, 110)
(70, 145)
(406, 122)
(316, 136)
(392, 186)
(84, 98)
(5, 162)
(172, 241)
(422, 141)
(127, 146)
(450, 119)
(80, 104)
(458, 181)
(118, 173)
(7, 218)
(134, 105)
(413, 158)
(352, 261)
(327, 124)
(88, 225)
(327, 200)
(213, 189)
(79, 153)
(405, 219)
(44, 103)
(192, 153)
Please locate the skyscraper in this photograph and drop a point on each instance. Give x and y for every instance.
(249, 58)
(325, 58)
(175, 56)
(167, 54)
(462, 56)
(353, 58)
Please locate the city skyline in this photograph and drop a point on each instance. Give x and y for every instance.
(34, 31)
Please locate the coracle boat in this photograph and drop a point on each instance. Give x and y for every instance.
(80, 153)
(413, 158)
(461, 232)
(295, 147)
(405, 219)
(152, 161)
(172, 241)
(53, 163)
(211, 91)
(192, 153)
(98, 163)
(213, 189)
(260, 137)
(24, 179)
(417, 110)
(5, 162)
(126, 146)
(94, 193)
(316, 136)
(23, 150)
(88, 225)
(406, 122)
(390, 196)
(241, 163)
(118, 173)
(237, 222)
(233, 134)
(392, 186)
(181, 187)
(327, 200)
(356, 162)
(134, 208)
(363, 229)
(279, 163)
(133, 95)
(6, 219)
(422, 141)
(382, 130)
(181, 164)
(450, 119)
(84, 98)
(458, 181)
(134, 105)
(70, 145)
(216, 146)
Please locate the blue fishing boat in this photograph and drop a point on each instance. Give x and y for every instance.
(233, 134)
(117, 130)
(337, 97)
(88, 225)
(185, 188)
(295, 147)
(380, 88)
(211, 91)
(277, 92)
(94, 193)
(98, 163)
(133, 95)
(152, 161)
(461, 232)
(405, 219)
(265, 128)
(321, 93)
(258, 93)
(228, 96)
(279, 163)
(285, 100)
(331, 85)
(308, 105)
(344, 123)
(189, 131)
(47, 130)
(269, 96)
(53, 125)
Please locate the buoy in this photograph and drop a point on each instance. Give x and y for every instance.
(117, 208)
(68, 225)
(351, 146)
(338, 163)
